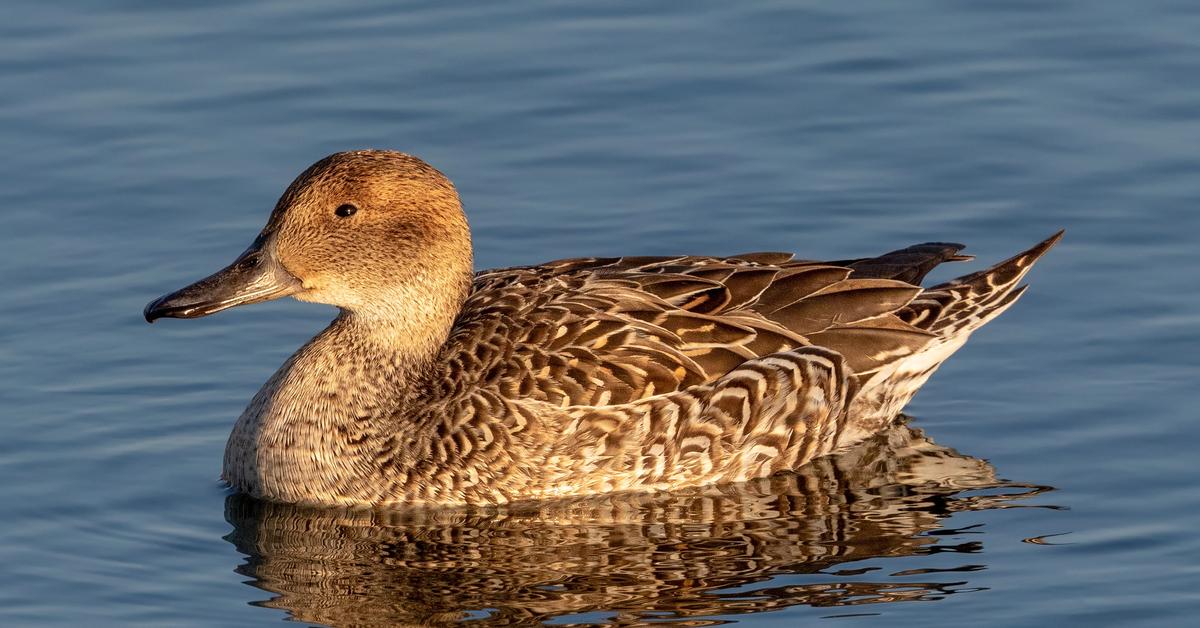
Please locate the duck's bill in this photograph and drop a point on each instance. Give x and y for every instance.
(253, 277)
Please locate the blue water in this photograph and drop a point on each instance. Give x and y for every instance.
(145, 142)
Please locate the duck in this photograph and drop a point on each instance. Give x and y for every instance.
(436, 385)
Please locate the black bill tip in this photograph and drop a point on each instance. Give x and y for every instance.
(253, 277)
(167, 306)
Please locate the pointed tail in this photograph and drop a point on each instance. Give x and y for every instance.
(966, 303)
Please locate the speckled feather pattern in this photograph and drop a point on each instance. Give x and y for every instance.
(577, 376)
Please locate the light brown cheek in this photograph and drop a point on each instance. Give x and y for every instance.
(316, 284)
(287, 253)
(305, 261)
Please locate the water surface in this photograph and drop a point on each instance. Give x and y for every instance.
(145, 143)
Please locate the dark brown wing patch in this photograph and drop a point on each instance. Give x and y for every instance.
(845, 303)
(766, 258)
(794, 284)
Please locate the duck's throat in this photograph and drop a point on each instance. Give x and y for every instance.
(315, 431)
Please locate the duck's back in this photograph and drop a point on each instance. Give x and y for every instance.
(599, 332)
(585, 375)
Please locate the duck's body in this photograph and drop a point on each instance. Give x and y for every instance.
(575, 377)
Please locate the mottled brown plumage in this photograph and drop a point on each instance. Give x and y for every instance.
(573, 377)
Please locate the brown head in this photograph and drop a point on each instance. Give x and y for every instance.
(379, 234)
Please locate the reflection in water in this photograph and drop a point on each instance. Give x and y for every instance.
(680, 556)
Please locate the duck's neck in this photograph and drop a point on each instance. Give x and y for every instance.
(315, 430)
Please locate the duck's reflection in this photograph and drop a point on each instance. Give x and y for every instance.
(682, 556)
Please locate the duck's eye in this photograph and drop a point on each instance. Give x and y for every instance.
(345, 211)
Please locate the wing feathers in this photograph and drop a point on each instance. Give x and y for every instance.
(909, 264)
(846, 302)
(767, 258)
(792, 285)
(619, 329)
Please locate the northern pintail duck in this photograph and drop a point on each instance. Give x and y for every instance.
(438, 385)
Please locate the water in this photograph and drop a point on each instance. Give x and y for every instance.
(1051, 479)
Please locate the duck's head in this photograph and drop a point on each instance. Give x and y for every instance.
(377, 233)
